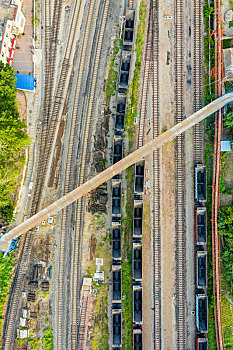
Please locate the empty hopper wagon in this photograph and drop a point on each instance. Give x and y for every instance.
(124, 71)
(116, 328)
(116, 199)
(200, 226)
(117, 150)
(202, 343)
(116, 283)
(137, 304)
(129, 28)
(202, 270)
(137, 220)
(116, 242)
(120, 112)
(200, 183)
(137, 261)
(137, 339)
(202, 313)
(139, 178)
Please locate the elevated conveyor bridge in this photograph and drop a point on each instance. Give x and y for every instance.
(29, 224)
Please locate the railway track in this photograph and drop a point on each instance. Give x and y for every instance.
(48, 131)
(180, 179)
(9, 330)
(156, 212)
(49, 127)
(197, 79)
(145, 81)
(76, 129)
(150, 74)
(216, 177)
(68, 184)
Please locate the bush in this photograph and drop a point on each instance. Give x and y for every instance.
(13, 139)
(48, 339)
(225, 225)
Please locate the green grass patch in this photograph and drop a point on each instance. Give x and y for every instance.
(126, 265)
(231, 4)
(6, 268)
(227, 43)
(113, 70)
(208, 151)
(47, 340)
(227, 322)
(35, 344)
(100, 337)
(99, 341)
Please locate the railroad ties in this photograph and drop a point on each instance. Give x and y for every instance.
(180, 180)
(150, 75)
(200, 192)
(119, 116)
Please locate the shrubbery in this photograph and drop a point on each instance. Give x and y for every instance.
(6, 266)
(225, 225)
(48, 339)
(13, 139)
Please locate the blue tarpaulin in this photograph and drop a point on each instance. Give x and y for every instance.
(225, 146)
(25, 82)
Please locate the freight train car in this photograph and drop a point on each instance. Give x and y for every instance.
(124, 71)
(137, 261)
(117, 150)
(201, 270)
(116, 242)
(116, 198)
(202, 344)
(202, 313)
(120, 112)
(137, 220)
(137, 304)
(116, 283)
(200, 183)
(128, 28)
(139, 178)
(200, 226)
(137, 339)
(116, 328)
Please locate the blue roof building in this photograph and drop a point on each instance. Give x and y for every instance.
(25, 82)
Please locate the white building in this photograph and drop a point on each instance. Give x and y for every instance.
(12, 23)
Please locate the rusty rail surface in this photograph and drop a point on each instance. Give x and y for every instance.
(216, 178)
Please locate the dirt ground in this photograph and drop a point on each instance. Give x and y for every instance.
(22, 104)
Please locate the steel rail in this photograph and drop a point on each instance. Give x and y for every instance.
(115, 169)
(156, 181)
(48, 136)
(180, 179)
(69, 178)
(69, 183)
(80, 210)
(197, 78)
(14, 295)
(145, 80)
(216, 179)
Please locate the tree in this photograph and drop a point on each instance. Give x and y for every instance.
(228, 120)
(13, 138)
